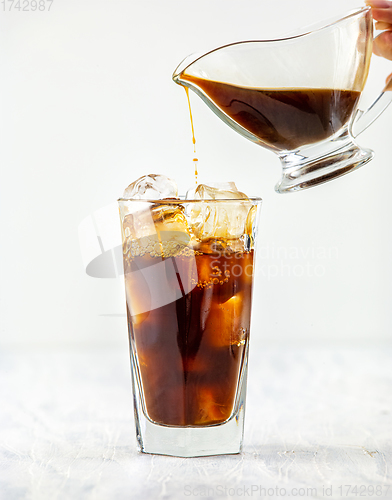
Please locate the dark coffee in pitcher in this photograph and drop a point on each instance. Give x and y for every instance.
(282, 119)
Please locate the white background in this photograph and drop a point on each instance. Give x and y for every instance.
(88, 105)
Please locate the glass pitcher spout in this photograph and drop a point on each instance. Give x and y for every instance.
(295, 96)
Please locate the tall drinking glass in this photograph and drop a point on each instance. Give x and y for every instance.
(189, 268)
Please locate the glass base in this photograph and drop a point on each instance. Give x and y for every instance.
(317, 164)
(223, 439)
(219, 439)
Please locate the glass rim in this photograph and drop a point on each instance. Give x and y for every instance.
(298, 33)
(327, 23)
(179, 201)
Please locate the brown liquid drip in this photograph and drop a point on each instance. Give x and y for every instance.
(195, 160)
(282, 119)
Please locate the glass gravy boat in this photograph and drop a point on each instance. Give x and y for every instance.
(295, 96)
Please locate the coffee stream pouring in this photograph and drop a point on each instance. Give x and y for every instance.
(295, 96)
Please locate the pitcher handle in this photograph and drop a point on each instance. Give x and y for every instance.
(363, 119)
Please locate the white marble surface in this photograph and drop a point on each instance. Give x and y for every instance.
(317, 419)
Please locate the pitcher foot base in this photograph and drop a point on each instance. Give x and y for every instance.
(301, 172)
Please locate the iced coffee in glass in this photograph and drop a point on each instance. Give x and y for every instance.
(188, 268)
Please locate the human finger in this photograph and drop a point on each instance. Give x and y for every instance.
(381, 26)
(381, 10)
(382, 45)
(381, 4)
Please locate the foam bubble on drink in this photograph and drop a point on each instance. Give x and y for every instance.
(151, 187)
(219, 220)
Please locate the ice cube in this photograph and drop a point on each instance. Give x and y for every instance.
(227, 323)
(216, 219)
(151, 187)
(210, 409)
(154, 228)
(218, 191)
(160, 230)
